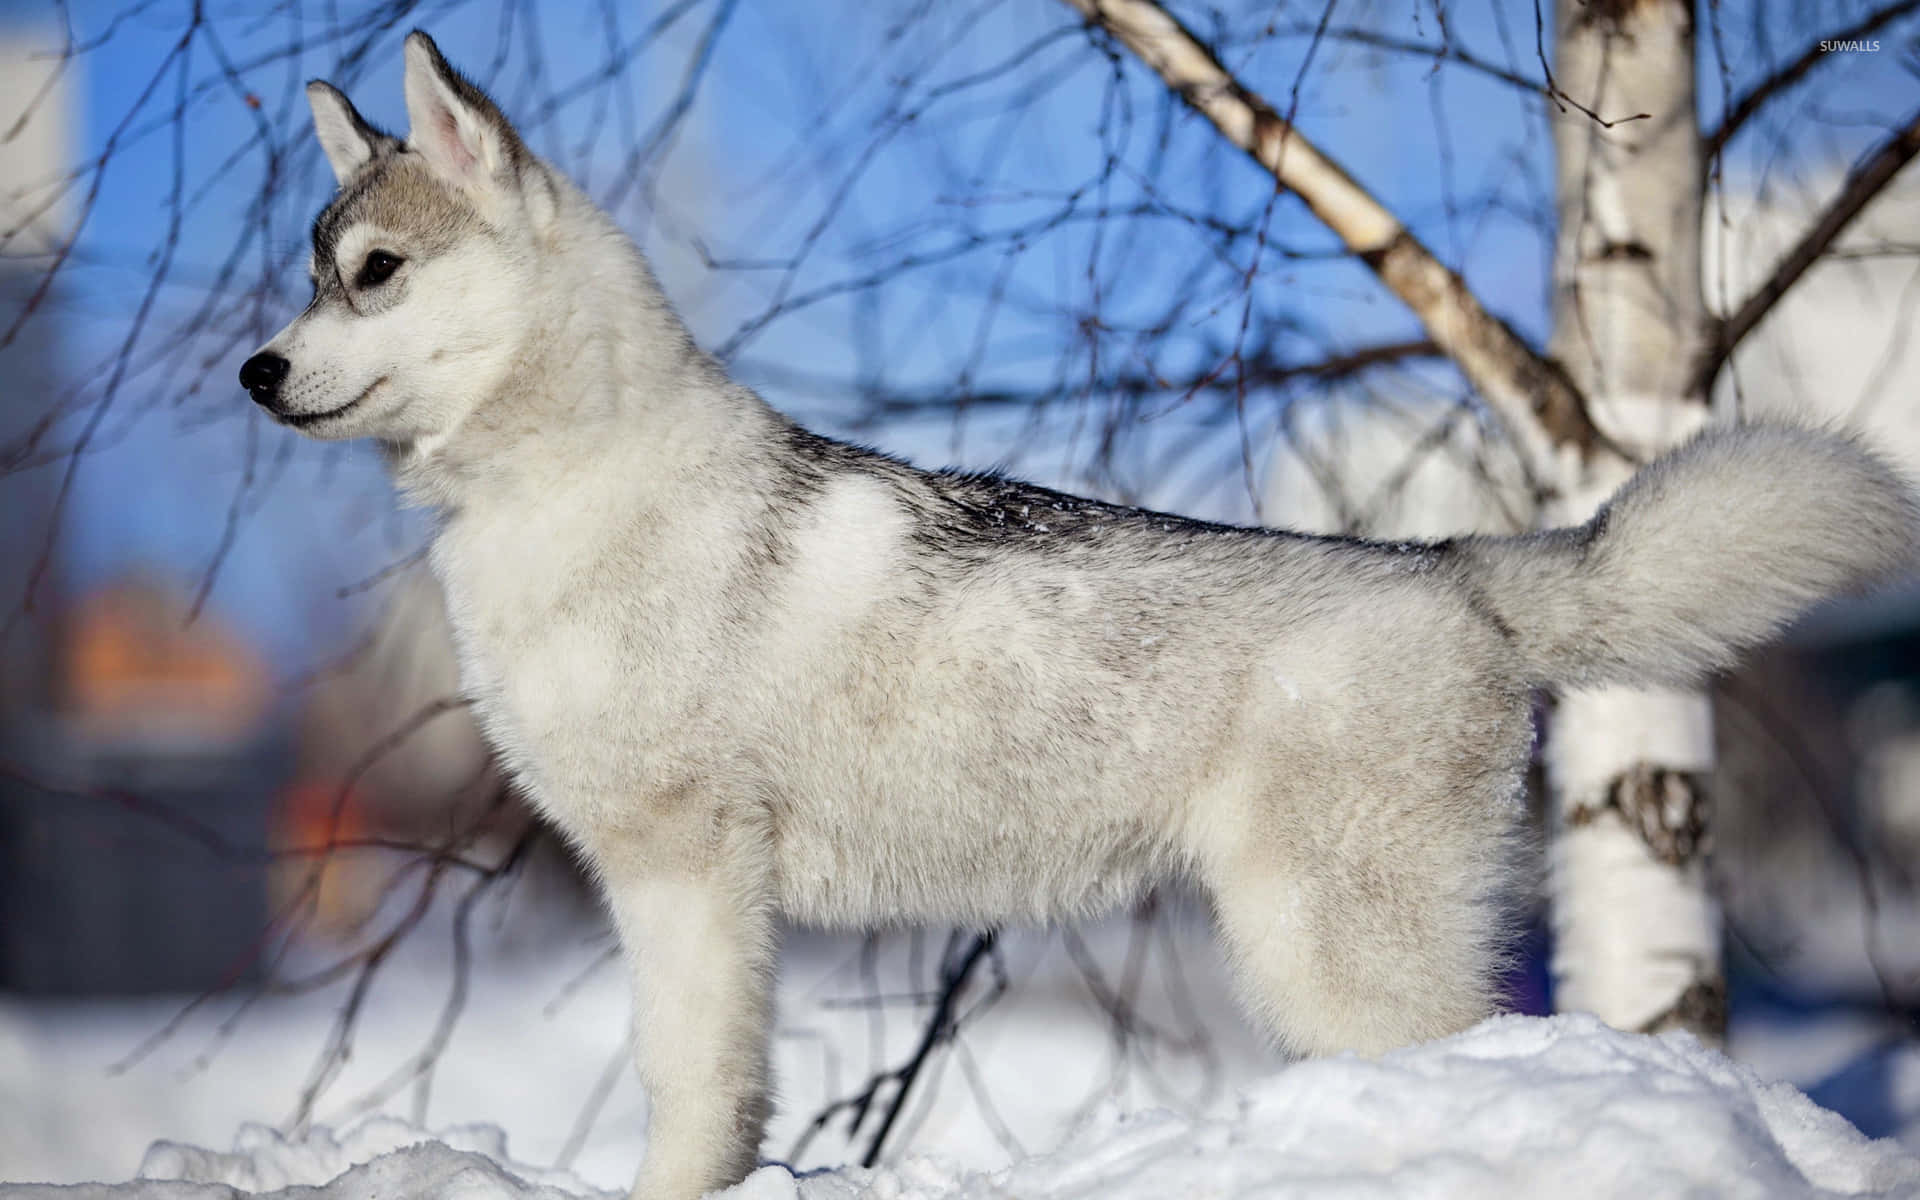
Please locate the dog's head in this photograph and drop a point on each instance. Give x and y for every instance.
(425, 267)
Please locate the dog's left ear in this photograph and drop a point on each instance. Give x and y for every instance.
(455, 127)
(348, 140)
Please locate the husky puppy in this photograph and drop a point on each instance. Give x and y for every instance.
(752, 672)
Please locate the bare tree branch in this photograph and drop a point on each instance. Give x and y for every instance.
(1862, 184)
(943, 1025)
(1415, 48)
(1255, 371)
(1539, 404)
(1757, 96)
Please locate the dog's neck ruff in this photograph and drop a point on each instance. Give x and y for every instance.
(607, 368)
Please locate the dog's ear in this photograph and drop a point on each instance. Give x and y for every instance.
(455, 127)
(346, 137)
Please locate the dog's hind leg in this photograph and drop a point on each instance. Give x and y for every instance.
(1370, 933)
(692, 902)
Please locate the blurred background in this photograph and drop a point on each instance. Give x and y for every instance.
(255, 863)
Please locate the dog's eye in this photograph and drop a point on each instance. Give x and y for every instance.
(378, 268)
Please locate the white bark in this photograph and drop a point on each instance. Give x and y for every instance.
(1542, 414)
(1635, 928)
(1637, 934)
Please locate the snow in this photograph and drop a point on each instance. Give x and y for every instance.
(1042, 1096)
(1519, 1106)
(543, 1027)
(381, 1159)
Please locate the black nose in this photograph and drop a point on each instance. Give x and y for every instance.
(261, 376)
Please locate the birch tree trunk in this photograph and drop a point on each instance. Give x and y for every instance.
(1637, 934)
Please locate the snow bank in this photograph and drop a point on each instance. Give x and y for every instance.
(1562, 1107)
(379, 1159)
(1518, 1106)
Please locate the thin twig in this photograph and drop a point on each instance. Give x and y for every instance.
(1793, 72)
(1862, 184)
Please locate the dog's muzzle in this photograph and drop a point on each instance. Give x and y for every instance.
(261, 376)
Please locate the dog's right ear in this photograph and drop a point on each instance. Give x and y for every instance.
(346, 137)
(455, 127)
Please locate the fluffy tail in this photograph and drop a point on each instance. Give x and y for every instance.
(1705, 552)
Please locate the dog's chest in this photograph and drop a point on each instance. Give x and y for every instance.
(560, 654)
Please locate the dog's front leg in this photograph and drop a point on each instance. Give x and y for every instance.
(693, 907)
